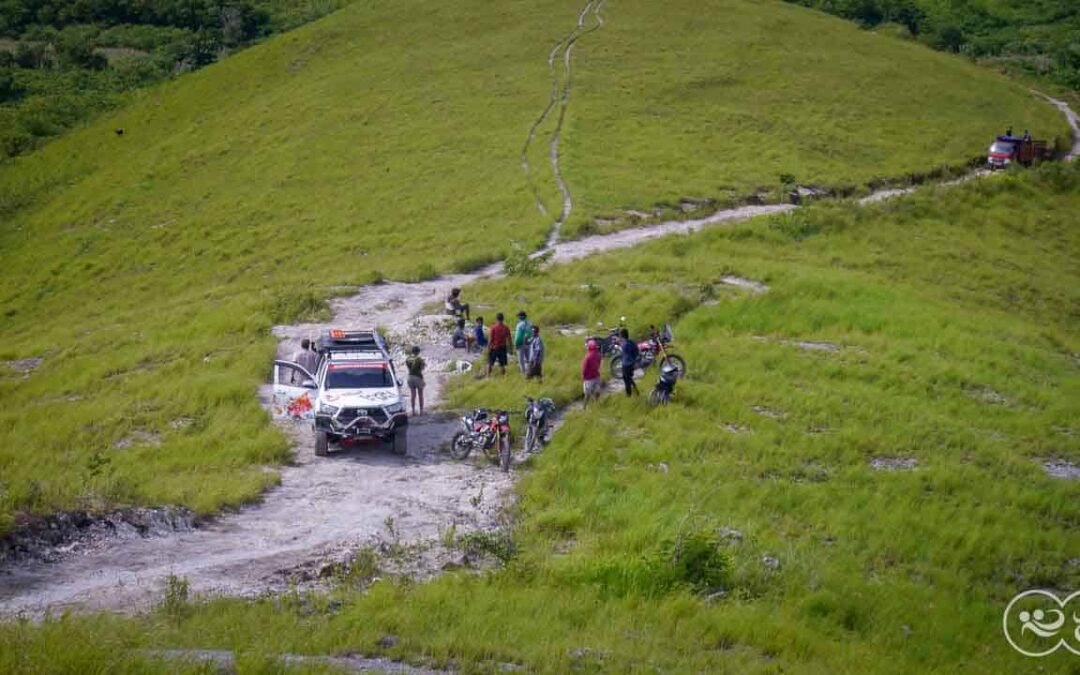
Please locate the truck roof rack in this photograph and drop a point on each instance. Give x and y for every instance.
(352, 341)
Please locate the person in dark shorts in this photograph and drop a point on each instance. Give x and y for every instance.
(629, 362)
(499, 344)
(415, 364)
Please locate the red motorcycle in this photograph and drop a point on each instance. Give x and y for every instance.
(651, 350)
(487, 431)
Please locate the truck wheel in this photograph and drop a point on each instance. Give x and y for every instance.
(399, 442)
(322, 443)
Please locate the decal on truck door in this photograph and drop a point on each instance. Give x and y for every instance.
(293, 391)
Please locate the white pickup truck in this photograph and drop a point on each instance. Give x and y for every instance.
(353, 394)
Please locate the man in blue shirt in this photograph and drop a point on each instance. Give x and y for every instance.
(629, 362)
(481, 338)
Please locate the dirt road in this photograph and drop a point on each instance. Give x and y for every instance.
(324, 507)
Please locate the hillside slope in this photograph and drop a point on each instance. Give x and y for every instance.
(145, 269)
(852, 478)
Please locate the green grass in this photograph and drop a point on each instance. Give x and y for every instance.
(936, 299)
(146, 269)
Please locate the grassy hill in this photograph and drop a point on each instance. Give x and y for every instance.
(383, 141)
(953, 317)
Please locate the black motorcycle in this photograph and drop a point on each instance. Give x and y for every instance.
(538, 414)
(487, 431)
(665, 386)
(610, 344)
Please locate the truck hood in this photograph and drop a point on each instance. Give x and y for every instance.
(361, 398)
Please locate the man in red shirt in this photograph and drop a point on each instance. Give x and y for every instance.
(590, 372)
(499, 344)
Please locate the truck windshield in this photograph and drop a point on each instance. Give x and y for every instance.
(358, 378)
(1002, 148)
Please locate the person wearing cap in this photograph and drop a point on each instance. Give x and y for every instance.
(522, 335)
(535, 360)
(590, 372)
(415, 364)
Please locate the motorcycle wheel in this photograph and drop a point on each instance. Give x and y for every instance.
(659, 397)
(504, 452)
(677, 361)
(491, 449)
(531, 438)
(616, 368)
(460, 447)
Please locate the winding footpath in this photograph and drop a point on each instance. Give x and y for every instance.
(559, 97)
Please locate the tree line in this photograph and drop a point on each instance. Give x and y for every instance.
(1039, 37)
(65, 60)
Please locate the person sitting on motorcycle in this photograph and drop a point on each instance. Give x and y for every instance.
(455, 306)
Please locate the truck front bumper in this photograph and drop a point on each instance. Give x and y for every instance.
(361, 426)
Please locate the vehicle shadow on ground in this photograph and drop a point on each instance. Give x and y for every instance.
(429, 442)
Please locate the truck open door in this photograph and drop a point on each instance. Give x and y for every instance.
(294, 391)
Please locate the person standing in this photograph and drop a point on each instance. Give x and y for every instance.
(522, 335)
(629, 362)
(535, 360)
(500, 344)
(415, 364)
(479, 336)
(306, 359)
(590, 372)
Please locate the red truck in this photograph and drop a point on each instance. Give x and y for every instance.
(1008, 150)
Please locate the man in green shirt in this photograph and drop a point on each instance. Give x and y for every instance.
(522, 336)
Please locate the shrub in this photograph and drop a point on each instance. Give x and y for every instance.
(521, 263)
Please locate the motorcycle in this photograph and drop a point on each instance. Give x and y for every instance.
(653, 349)
(610, 344)
(538, 413)
(487, 431)
(665, 386)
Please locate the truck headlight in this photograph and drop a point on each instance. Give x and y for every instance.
(327, 409)
(395, 408)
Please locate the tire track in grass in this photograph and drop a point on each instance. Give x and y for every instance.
(560, 98)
